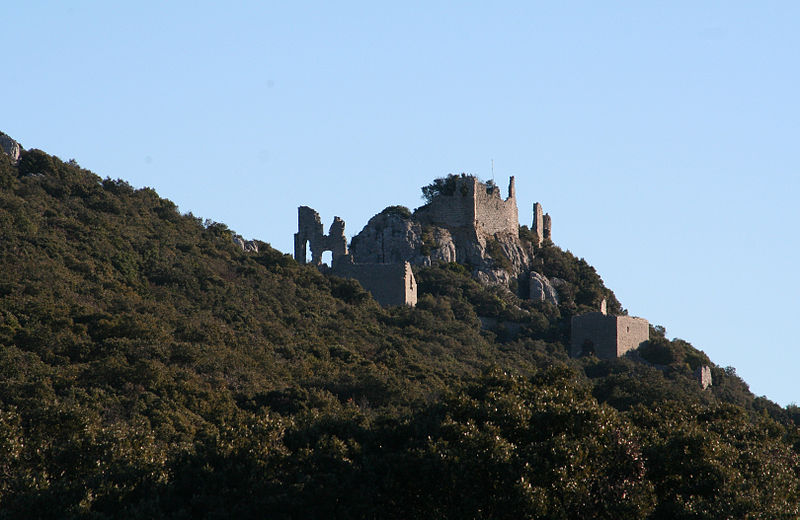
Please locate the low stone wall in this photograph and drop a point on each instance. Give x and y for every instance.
(389, 284)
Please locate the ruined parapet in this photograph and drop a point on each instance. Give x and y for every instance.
(547, 227)
(309, 234)
(607, 337)
(537, 226)
(703, 376)
(10, 147)
(492, 213)
(473, 206)
(389, 284)
(542, 224)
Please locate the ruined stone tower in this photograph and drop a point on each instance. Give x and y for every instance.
(541, 225)
(473, 206)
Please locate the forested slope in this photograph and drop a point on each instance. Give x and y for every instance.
(150, 368)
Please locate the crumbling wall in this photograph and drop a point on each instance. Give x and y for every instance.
(547, 230)
(309, 233)
(631, 332)
(492, 213)
(389, 284)
(451, 211)
(542, 225)
(594, 334)
(475, 206)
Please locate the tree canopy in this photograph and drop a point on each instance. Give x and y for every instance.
(150, 368)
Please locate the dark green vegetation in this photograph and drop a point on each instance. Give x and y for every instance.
(151, 369)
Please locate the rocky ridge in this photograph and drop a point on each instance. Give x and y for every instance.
(501, 258)
(10, 147)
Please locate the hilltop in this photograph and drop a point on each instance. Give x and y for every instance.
(152, 367)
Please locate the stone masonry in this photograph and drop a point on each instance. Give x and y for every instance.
(309, 232)
(541, 225)
(473, 206)
(607, 337)
(389, 283)
(470, 224)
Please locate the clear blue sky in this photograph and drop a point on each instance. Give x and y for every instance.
(660, 136)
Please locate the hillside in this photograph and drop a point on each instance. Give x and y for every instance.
(151, 368)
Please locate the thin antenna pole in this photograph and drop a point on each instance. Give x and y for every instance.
(492, 170)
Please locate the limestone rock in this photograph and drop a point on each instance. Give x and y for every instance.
(703, 375)
(10, 147)
(542, 290)
(390, 238)
(248, 246)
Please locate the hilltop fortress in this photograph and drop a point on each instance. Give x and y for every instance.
(464, 221)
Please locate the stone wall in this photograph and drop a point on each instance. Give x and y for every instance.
(451, 211)
(309, 233)
(607, 337)
(631, 332)
(389, 284)
(473, 205)
(594, 333)
(492, 213)
(537, 226)
(541, 225)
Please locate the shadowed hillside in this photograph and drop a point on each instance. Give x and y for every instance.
(150, 368)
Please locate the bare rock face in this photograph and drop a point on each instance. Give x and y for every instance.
(464, 221)
(390, 237)
(542, 290)
(248, 246)
(10, 147)
(703, 375)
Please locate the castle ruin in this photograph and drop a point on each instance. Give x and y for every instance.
(541, 225)
(465, 221)
(389, 284)
(309, 233)
(605, 336)
(473, 206)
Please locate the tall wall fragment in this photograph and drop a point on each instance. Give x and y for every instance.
(309, 233)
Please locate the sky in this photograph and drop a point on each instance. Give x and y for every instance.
(660, 136)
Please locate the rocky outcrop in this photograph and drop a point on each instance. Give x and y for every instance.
(541, 290)
(10, 147)
(393, 236)
(703, 376)
(248, 246)
(464, 221)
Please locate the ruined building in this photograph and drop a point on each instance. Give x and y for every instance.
(389, 283)
(541, 226)
(474, 207)
(605, 336)
(465, 221)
